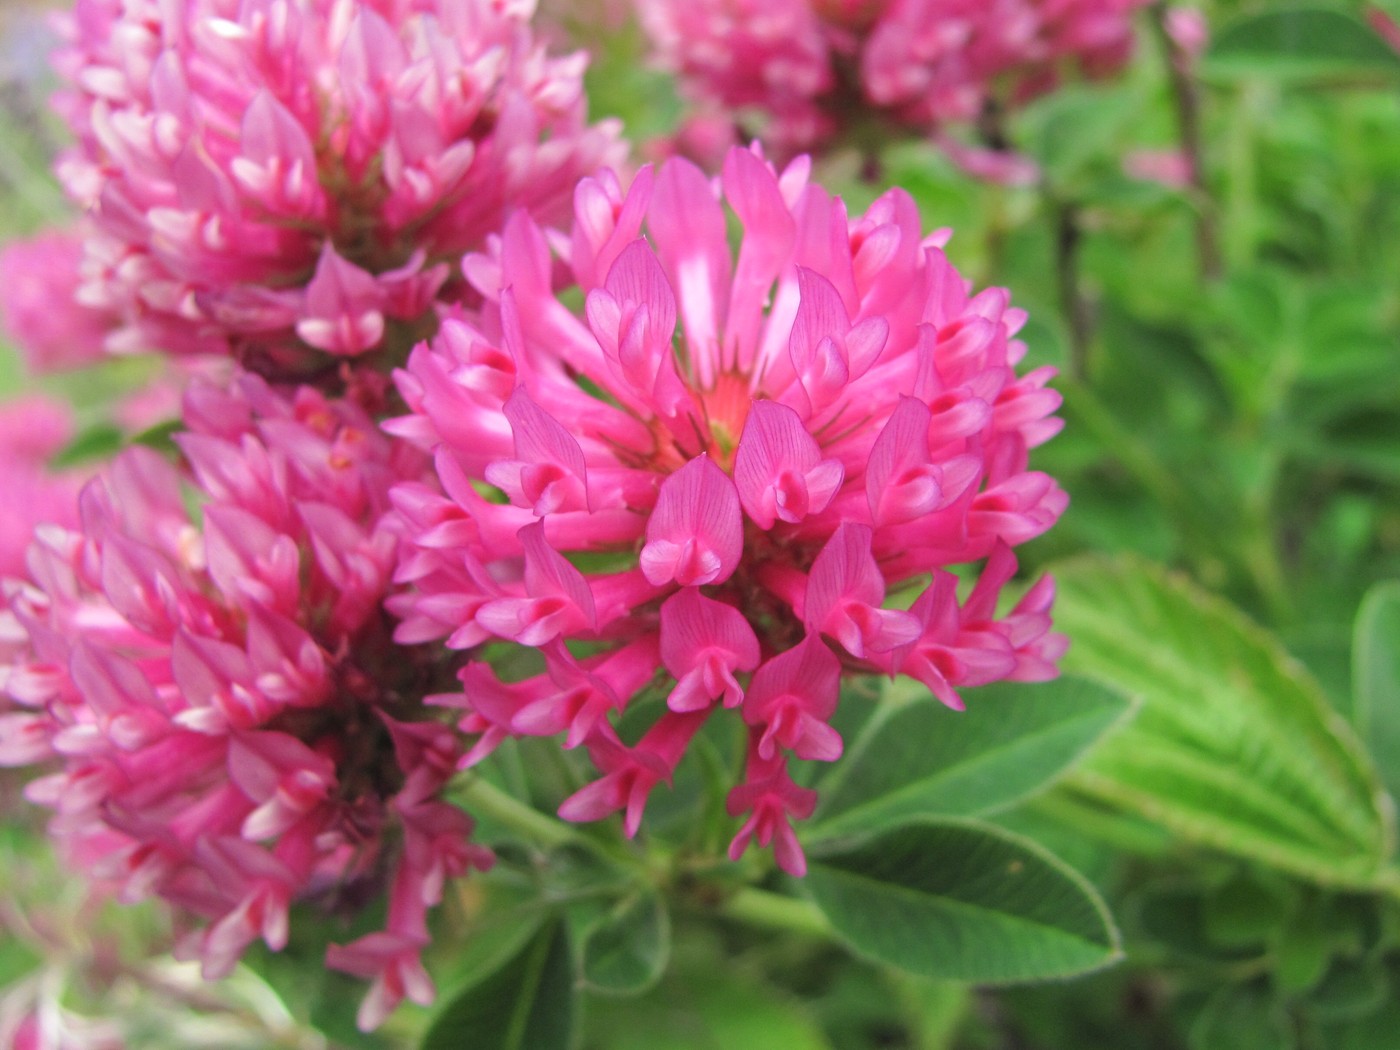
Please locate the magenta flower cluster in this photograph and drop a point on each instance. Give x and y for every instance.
(800, 72)
(208, 663)
(757, 449)
(280, 178)
(712, 442)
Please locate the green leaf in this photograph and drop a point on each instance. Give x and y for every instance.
(1302, 951)
(98, 442)
(963, 901)
(508, 917)
(625, 952)
(159, 437)
(1372, 1031)
(16, 960)
(724, 1006)
(1247, 909)
(1376, 673)
(1241, 1019)
(1235, 746)
(924, 759)
(1173, 915)
(528, 1004)
(1302, 44)
(1351, 989)
(1076, 129)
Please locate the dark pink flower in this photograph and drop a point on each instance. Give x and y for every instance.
(205, 664)
(714, 479)
(284, 178)
(797, 73)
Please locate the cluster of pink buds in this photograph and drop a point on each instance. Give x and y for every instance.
(208, 664)
(714, 481)
(285, 179)
(799, 72)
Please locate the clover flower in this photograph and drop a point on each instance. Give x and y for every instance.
(284, 179)
(800, 72)
(207, 662)
(39, 278)
(712, 483)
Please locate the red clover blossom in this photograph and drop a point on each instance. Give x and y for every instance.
(712, 481)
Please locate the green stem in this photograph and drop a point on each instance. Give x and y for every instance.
(773, 911)
(1261, 560)
(1130, 450)
(1074, 307)
(481, 798)
(998, 230)
(1250, 549)
(935, 1010)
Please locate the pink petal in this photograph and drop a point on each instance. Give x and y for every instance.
(901, 483)
(778, 469)
(549, 474)
(695, 535)
(702, 643)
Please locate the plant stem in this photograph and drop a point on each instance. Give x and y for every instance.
(995, 235)
(481, 798)
(774, 911)
(1128, 448)
(1250, 549)
(935, 1010)
(1186, 97)
(1073, 306)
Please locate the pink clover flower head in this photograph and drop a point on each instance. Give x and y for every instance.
(282, 179)
(770, 62)
(739, 456)
(204, 664)
(798, 73)
(39, 281)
